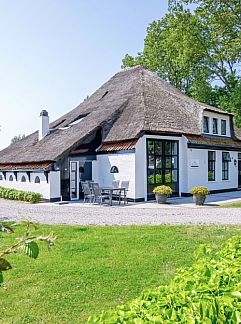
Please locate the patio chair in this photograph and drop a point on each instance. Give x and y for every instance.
(87, 191)
(116, 184)
(98, 194)
(124, 184)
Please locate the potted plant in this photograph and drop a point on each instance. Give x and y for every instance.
(199, 194)
(162, 192)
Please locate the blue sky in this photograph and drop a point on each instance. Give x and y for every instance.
(53, 53)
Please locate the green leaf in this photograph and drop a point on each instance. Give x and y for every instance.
(4, 265)
(1, 277)
(32, 250)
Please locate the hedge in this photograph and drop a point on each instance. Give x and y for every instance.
(208, 292)
(13, 194)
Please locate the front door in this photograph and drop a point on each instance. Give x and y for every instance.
(162, 165)
(74, 180)
(239, 170)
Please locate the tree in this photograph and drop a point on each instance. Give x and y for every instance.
(196, 47)
(27, 243)
(17, 138)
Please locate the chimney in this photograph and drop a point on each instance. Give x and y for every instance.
(44, 124)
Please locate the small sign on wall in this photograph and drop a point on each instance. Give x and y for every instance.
(195, 163)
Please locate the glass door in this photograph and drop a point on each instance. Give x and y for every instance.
(162, 165)
(74, 180)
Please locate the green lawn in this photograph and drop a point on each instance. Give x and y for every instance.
(95, 268)
(232, 205)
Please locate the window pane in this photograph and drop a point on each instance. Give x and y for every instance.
(158, 148)
(174, 148)
(168, 149)
(206, 124)
(158, 162)
(151, 177)
(215, 126)
(150, 147)
(168, 176)
(174, 175)
(223, 127)
(151, 161)
(174, 162)
(168, 162)
(158, 176)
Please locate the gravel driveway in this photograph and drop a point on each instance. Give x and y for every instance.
(47, 213)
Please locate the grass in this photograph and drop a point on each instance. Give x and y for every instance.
(232, 205)
(95, 268)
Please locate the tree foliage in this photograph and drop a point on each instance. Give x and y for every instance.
(196, 47)
(17, 138)
(27, 244)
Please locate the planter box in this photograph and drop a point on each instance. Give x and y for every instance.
(199, 199)
(161, 199)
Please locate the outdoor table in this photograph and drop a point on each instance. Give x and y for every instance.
(110, 191)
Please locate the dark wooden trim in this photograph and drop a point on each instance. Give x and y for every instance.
(16, 175)
(28, 174)
(212, 147)
(116, 152)
(162, 133)
(187, 194)
(46, 173)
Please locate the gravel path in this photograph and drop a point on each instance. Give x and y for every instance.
(105, 215)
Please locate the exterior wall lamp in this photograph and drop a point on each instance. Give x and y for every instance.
(235, 162)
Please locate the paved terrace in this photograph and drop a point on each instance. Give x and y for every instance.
(179, 211)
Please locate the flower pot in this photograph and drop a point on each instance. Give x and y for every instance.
(161, 199)
(199, 199)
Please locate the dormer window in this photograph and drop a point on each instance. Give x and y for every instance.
(215, 126)
(206, 124)
(223, 127)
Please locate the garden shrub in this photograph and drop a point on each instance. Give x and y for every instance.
(207, 292)
(13, 194)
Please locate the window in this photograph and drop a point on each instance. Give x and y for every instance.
(1, 177)
(206, 124)
(23, 179)
(211, 165)
(223, 127)
(215, 126)
(162, 164)
(37, 180)
(225, 165)
(10, 178)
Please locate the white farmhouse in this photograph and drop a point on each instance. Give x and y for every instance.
(135, 127)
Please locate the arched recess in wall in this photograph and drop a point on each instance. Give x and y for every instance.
(10, 178)
(23, 179)
(37, 180)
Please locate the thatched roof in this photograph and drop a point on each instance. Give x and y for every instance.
(131, 102)
(214, 142)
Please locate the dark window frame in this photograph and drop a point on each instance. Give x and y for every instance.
(211, 165)
(215, 126)
(167, 155)
(225, 165)
(206, 124)
(223, 121)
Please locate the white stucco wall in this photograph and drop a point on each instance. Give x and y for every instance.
(198, 176)
(125, 163)
(48, 190)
